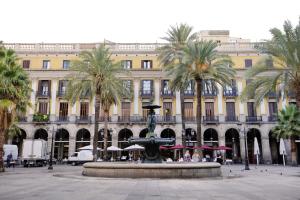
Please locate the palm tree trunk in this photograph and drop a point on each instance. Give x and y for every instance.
(96, 127)
(182, 118)
(106, 113)
(2, 169)
(199, 113)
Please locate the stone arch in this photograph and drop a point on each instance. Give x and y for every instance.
(274, 148)
(123, 137)
(41, 134)
(210, 137)
(232, 140)
(61, 147)
(191, 137)
(143, 133)
(168, 133)
(251, 134)
(83, 138)
(18, 140)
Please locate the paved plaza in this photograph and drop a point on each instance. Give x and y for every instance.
(66, 182)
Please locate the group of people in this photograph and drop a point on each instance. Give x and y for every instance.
(196, 158)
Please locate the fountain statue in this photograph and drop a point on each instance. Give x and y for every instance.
(151, 142)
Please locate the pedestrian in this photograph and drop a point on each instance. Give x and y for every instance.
(9, 159)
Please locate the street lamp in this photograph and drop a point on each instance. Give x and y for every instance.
(246, 147)
(51, 152)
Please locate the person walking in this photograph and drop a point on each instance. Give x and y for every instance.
(9, 159)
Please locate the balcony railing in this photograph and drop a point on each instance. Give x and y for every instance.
(166, 94)
(189, 93)
(166, 119)
(272, 95)
(272, 118)
(230, 93)
(61, 93)
(41, 93)
(291, 94)
(212, 93)
(102, 119)
(231, 119)
(83, 119)
(190, 119)
(211, 119)
(132, 119)
(146, 93)
(62, 119)
(253, 119)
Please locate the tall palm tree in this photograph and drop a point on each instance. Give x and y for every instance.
(200, 62)
(288, 127)
(177, 38)
(14, 94)
(95, 77)
(284, 73)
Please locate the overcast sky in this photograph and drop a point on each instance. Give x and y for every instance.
(138, 20)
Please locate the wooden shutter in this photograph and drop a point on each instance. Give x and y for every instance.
(230, 109)
(188, 110)
(84, 109)
(167, 106)
(272, 108)
(125, 108)
(251, 109)
(63, 109)
(43, 108)
(209, 109)
(49, 87)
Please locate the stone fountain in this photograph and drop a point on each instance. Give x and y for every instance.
(152, 167)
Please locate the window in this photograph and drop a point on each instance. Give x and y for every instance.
(127, 85)
(167, 106)
(230, 111)
(62, 87)
(44, 88)
(146, 64)
(209, 109)
(190, 88)
(165, 87)
(84, 110)
(126, 64)
(209, 87)
(66, 64)
(63, 111)
(248, 63)
(272, 108)
(125, 109)
(26, 64)
(188, 111)
(46, 64)
(251, 109)
(147, 87)
(43, 107)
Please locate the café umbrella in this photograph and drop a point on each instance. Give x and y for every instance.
(88, 147)
(256, 150)
(134, 147)
(282, 150)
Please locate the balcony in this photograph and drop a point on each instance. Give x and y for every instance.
(102, 119)
(209, 93)
(40, 118)
(291, 95)
(210, 119)
(44, 94)
(132, 119)
(272, 118)
(166, 119)
(62, 119)
(230, 93)
(146, 93)
(190, 119)
(166, 94)
(83, 119)
(61, 93)
(253, 119)
(189, 93)
(231, 119)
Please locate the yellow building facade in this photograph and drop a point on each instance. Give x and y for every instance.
(226, 120)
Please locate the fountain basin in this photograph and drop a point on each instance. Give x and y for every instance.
(149, 170)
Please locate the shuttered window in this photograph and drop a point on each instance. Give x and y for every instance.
(125, 108)
(188, 110)
(63, 109)
(84, 109)
(43, 108)
(209, 109)
(251, 109)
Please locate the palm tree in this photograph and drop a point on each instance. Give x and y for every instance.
(200, 62)
(14, 94)
(95, 77)
(172, 52)
(284, 73)
(289, 127)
